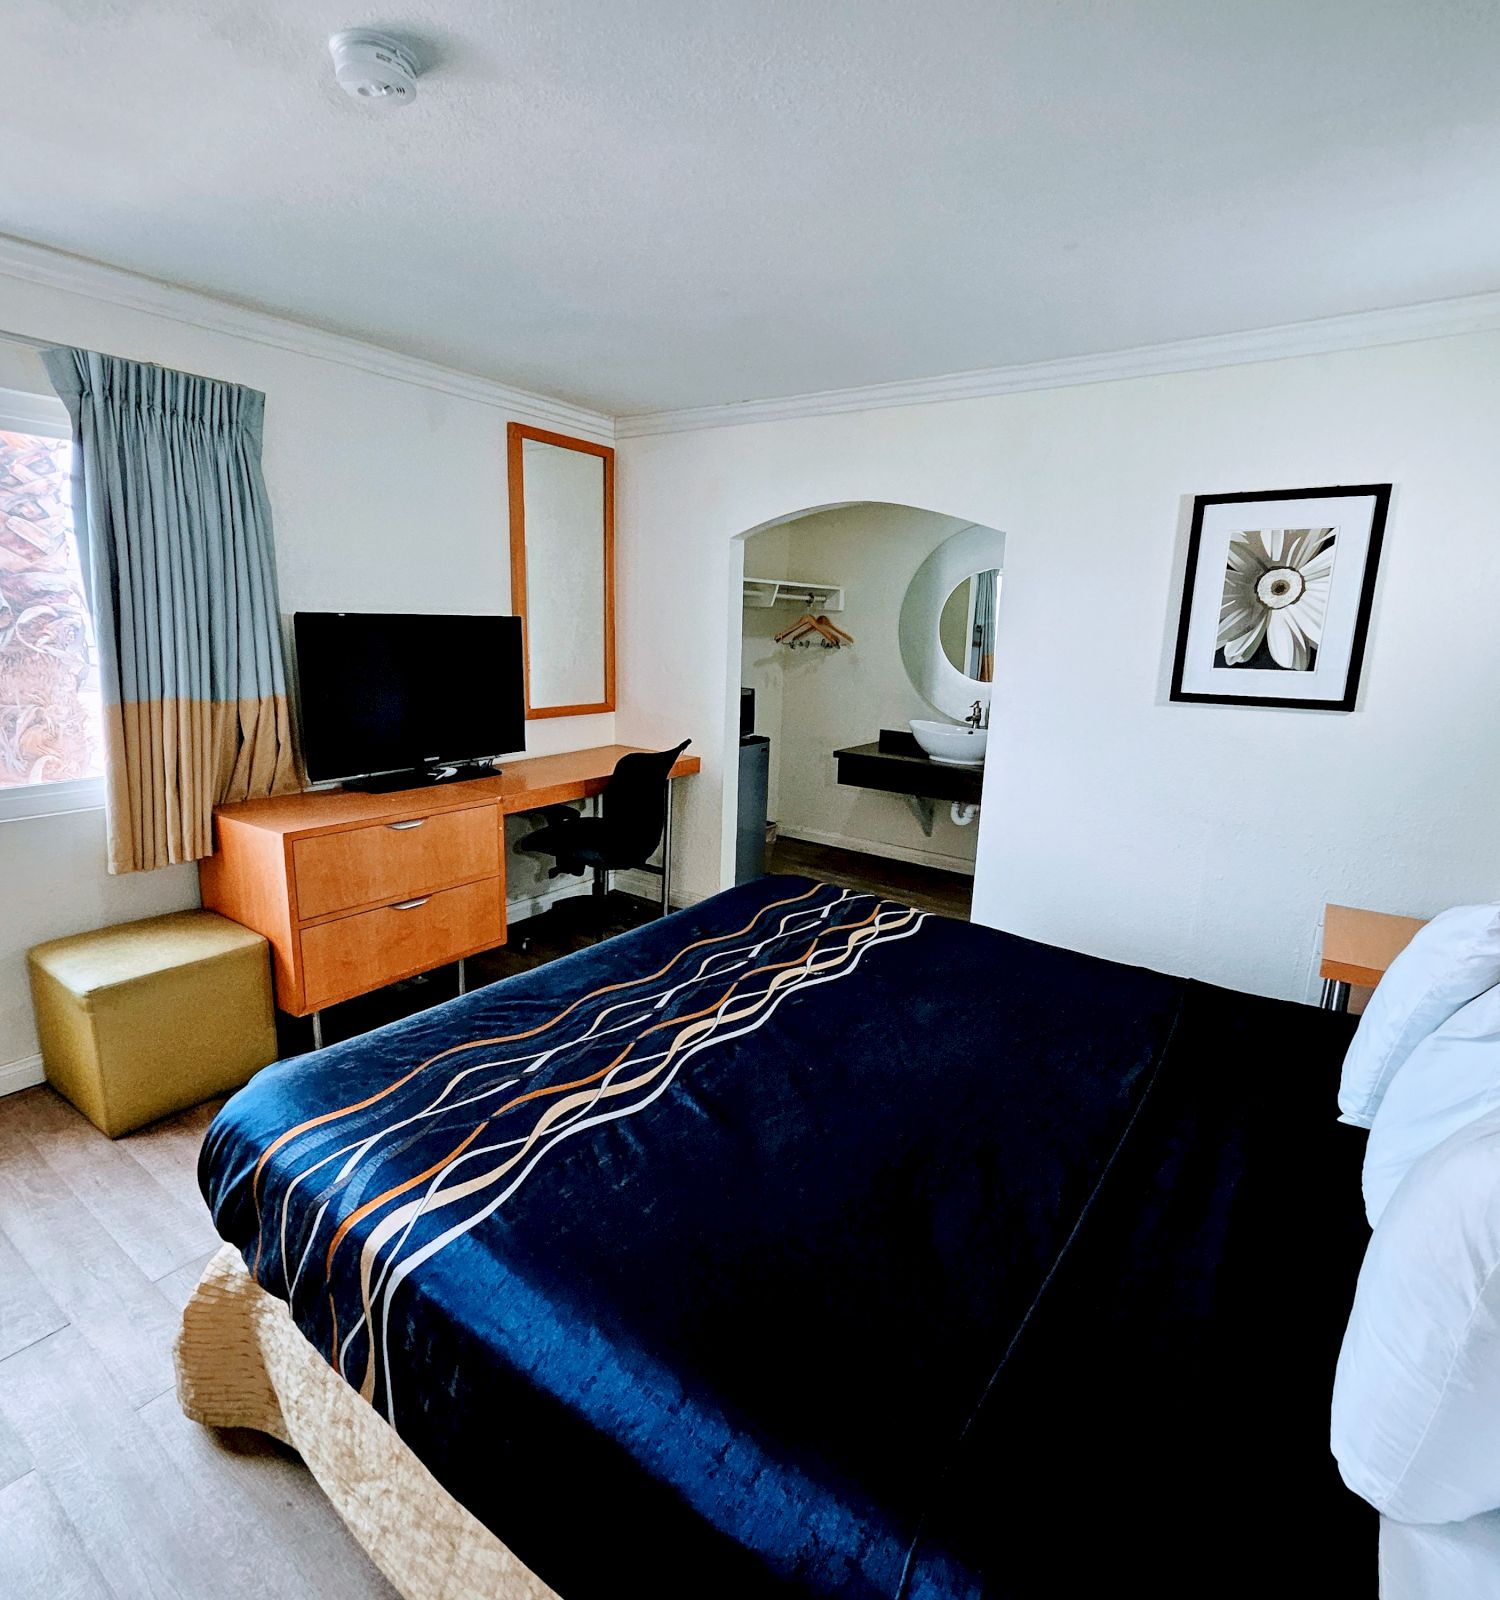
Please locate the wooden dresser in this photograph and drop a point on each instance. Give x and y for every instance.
(355, 891)
(353, 895)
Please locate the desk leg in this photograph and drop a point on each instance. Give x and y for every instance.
(463, 976)
(317, 1021)
(1335, 995)
(666, 856)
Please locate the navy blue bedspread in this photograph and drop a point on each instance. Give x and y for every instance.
(806, 1244)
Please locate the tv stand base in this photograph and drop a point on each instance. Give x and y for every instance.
(422, 777)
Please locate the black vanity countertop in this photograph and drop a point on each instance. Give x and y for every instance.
(897, 764)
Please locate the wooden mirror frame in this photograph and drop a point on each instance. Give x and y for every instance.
(516, 434)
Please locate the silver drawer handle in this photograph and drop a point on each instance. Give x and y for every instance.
(411, 905)
(401, 827)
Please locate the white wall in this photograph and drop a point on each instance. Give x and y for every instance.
(1197, 839)
(813, 702)
(388, 493)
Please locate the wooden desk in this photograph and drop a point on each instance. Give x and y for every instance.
(355, 891)
(1358, 946)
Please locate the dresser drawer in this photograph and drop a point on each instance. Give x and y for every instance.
(352, 955)
(394, 860)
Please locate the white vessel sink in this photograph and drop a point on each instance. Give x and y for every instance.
(951, 744)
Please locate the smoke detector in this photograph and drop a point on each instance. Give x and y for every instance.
(374, 67)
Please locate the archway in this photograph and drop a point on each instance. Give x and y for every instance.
(880, 568)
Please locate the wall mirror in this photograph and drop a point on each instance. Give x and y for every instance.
(948, 620)
(966, 625)
(562, 569)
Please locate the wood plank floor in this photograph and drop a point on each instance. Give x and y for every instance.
(107, 1492)
(950, 894)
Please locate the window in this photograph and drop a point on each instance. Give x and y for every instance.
(50, 753)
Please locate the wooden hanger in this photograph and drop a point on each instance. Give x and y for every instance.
(806, 623)
(823, 622)
(831, 634)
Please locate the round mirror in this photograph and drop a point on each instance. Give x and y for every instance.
(948, 619)
(966, 626)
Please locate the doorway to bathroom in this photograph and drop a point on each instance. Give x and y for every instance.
(866, 667)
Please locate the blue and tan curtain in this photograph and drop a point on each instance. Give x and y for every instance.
(174, 529)
(982, 640)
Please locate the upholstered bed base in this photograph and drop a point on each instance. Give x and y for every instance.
(241, 1363)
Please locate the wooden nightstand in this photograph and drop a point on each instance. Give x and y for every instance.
(1357, 948)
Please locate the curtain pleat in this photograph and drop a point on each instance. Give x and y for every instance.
(174, 528)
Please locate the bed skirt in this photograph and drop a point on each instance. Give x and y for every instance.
(241, 1363)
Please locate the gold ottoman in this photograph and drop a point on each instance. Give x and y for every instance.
(150, 1017)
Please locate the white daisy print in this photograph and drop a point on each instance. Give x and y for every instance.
(1275, 598)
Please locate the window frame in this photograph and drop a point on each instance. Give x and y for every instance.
(46, 417)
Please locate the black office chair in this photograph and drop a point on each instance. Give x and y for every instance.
(632, 824)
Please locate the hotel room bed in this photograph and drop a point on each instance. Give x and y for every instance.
(802, 1243)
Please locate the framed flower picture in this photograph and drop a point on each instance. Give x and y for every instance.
(1276, 596)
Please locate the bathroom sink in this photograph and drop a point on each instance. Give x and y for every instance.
(951, 744)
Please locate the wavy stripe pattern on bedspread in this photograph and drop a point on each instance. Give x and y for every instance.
(606, 1055)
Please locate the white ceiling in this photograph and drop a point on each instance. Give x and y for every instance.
(647, 204)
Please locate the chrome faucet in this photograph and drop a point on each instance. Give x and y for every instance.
(975, 718)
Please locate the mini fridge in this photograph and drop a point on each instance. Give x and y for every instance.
(750, 835)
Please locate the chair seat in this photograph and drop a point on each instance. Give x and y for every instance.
(582, 840)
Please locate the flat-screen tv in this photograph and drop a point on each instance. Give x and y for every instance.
(406, 695)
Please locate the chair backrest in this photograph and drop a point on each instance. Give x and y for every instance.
(635, 805)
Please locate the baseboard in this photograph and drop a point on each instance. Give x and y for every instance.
(871, 847)
(644, 885)
(631, 880)
(533, 905)
(23, 1074)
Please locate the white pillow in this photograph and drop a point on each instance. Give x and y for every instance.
(1453, 958)
(1440, 1560)
(1416, 1401)
(1449, 1080)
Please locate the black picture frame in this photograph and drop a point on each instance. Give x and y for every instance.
(1381, 494)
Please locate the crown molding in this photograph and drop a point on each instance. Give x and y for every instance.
(55, 269)
(1434, 319)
